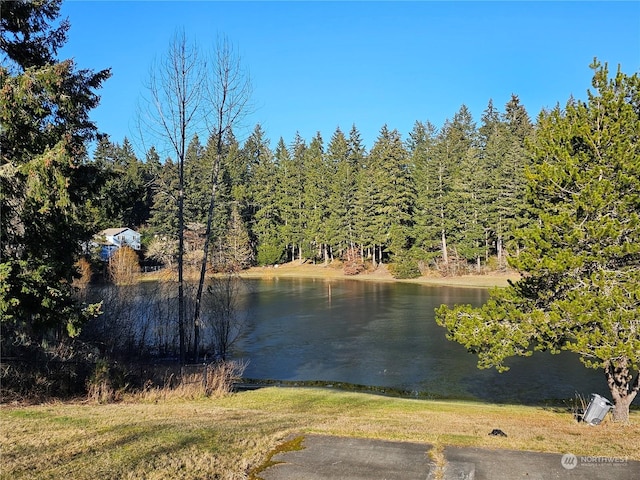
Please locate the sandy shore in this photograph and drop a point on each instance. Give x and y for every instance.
(381, 274)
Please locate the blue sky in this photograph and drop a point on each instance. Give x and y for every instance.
(316, 66)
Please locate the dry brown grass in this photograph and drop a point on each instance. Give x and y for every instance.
(381, 274)
(216, 380)
(228, 437)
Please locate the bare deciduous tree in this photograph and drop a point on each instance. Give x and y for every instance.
(185, 98)
(171, 114)
(229, 91)
(124, 268)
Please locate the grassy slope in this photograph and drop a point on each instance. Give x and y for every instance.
(228, 437)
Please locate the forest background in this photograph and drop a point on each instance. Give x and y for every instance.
(447, 198)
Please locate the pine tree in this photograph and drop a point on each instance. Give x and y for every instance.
(580, 289)
(197, 182)
(264, 206)
(317, 177)
(512, 202)
(426, 175)
(452, 146)
(291, 194)
(341, 192)
(470, 192)
(163, 222)
(45, 182)
(357, 158)
(391, 195)
(126, 192)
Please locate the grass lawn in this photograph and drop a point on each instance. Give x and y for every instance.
(229, 437)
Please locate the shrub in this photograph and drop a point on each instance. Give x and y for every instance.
(107, 384)
(353, 263)
(404, 267)
(269, 253)
(123, 266)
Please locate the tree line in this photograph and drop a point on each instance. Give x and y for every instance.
(448, 198)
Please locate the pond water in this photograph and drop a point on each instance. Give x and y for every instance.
(385, 335)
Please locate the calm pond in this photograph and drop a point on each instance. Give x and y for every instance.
(384, 335)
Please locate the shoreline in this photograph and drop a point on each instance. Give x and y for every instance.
(381, 274)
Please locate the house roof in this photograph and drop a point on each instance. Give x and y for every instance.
(112, 232)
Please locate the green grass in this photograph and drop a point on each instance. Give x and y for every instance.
(234, 437)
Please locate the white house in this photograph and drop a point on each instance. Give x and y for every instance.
(112, 239)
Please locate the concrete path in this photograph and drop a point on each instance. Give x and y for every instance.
(333, 458)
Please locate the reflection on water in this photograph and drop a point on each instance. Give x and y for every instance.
(384, 334)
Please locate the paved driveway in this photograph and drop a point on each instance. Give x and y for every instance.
(332, 458)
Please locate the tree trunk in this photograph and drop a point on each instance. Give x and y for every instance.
(181, 309)
(205, 249)
(622, 386)
(445, 256)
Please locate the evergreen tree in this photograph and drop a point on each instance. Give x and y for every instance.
(391, 194)
(163, 222)
(580, 289)
(452, 145)
(426, 175)
(357, 159)
(512, 202)
(263, 187)
(227, 149)
(470, 192)
(291, 194)
(197, 182)
(341, 194)
(317, 178)
(125, 197)
(45, 183)
(494, 141)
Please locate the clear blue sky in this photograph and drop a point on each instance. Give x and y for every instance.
(316, 66)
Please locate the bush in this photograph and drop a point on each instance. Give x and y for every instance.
(404, 267)
(124, 267)
(107, 384)
(269, 253)
(353, 263)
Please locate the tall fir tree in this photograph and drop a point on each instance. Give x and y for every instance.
(291, 194)
(45, 182)
(392, 195)
(426, 175)
(265, 223)
(317, 178)
(197, 182)
(471, 189)
(341, 193)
